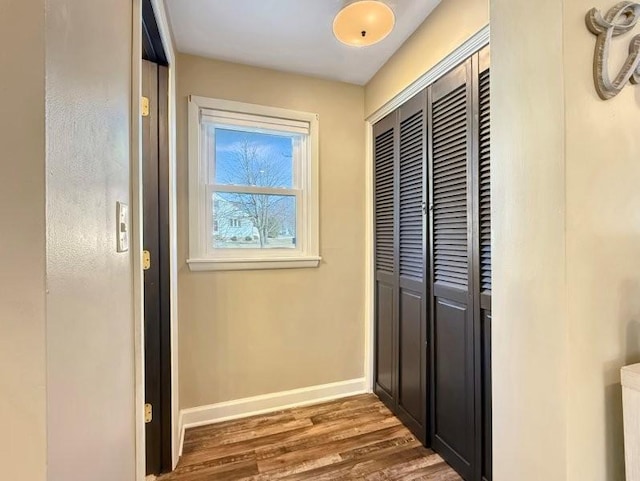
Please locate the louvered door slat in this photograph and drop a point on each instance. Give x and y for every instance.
(411, 195)
(485, 182)
(450, 132)
(448, 105)
(384, 200)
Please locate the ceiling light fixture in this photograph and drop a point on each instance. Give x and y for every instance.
(361, 23)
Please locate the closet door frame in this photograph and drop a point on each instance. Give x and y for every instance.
(482, 307)
(475, 263)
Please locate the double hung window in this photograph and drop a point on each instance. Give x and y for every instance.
(253, 174)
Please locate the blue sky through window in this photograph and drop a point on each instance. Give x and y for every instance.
(253, 158)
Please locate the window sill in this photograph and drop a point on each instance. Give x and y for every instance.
(198, 265)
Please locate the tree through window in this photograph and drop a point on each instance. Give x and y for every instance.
(244, 159)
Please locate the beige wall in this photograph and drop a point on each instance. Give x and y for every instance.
(603, 251)
(90, 362)
(256, 332)
(66, 355)
(446, 28)
(566, 247)
(529, 324)
(22, 241)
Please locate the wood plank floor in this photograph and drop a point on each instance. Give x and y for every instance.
(355, 438)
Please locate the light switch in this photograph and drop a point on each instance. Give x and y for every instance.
(122, 216)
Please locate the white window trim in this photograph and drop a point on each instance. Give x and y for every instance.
(200, 258)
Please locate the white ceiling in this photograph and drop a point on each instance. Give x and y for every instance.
(290, 35)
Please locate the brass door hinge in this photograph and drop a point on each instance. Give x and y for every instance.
(146, 260)
(145, 106)
(148, 413)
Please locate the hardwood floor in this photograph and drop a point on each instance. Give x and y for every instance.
(355, 438)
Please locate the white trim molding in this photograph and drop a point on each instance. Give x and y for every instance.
(370, 271)
(253, 264)
(136, 237)
(267, 403)
(464, 51)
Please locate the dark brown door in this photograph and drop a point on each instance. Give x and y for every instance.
(400, 261)
(157, 329)
(412, 245)
(459, 117)
(451, 127)
(385, 154)
(433, 279)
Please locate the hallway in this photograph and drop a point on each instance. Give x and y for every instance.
(355, 438)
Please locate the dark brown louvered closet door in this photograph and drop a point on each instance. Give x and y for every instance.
(413, 304)
(433, 272)
(451, 122)
(385, 153)
(483, 250)
(400, 253)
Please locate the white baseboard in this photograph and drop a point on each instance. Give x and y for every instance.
(266, 403)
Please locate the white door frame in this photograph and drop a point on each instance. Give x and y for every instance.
(470, 46)
(136, 228)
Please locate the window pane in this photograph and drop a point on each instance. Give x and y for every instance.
(254, 221)
(253, 158)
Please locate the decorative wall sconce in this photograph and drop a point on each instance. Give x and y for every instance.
(620, 19)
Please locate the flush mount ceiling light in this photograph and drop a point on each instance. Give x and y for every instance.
(361, 23)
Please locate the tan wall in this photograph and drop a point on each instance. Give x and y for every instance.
(22, 241)
(566, 247)
(603, 251)
(256, 332)
(446, 28)
(90, 361)
(529, 324)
